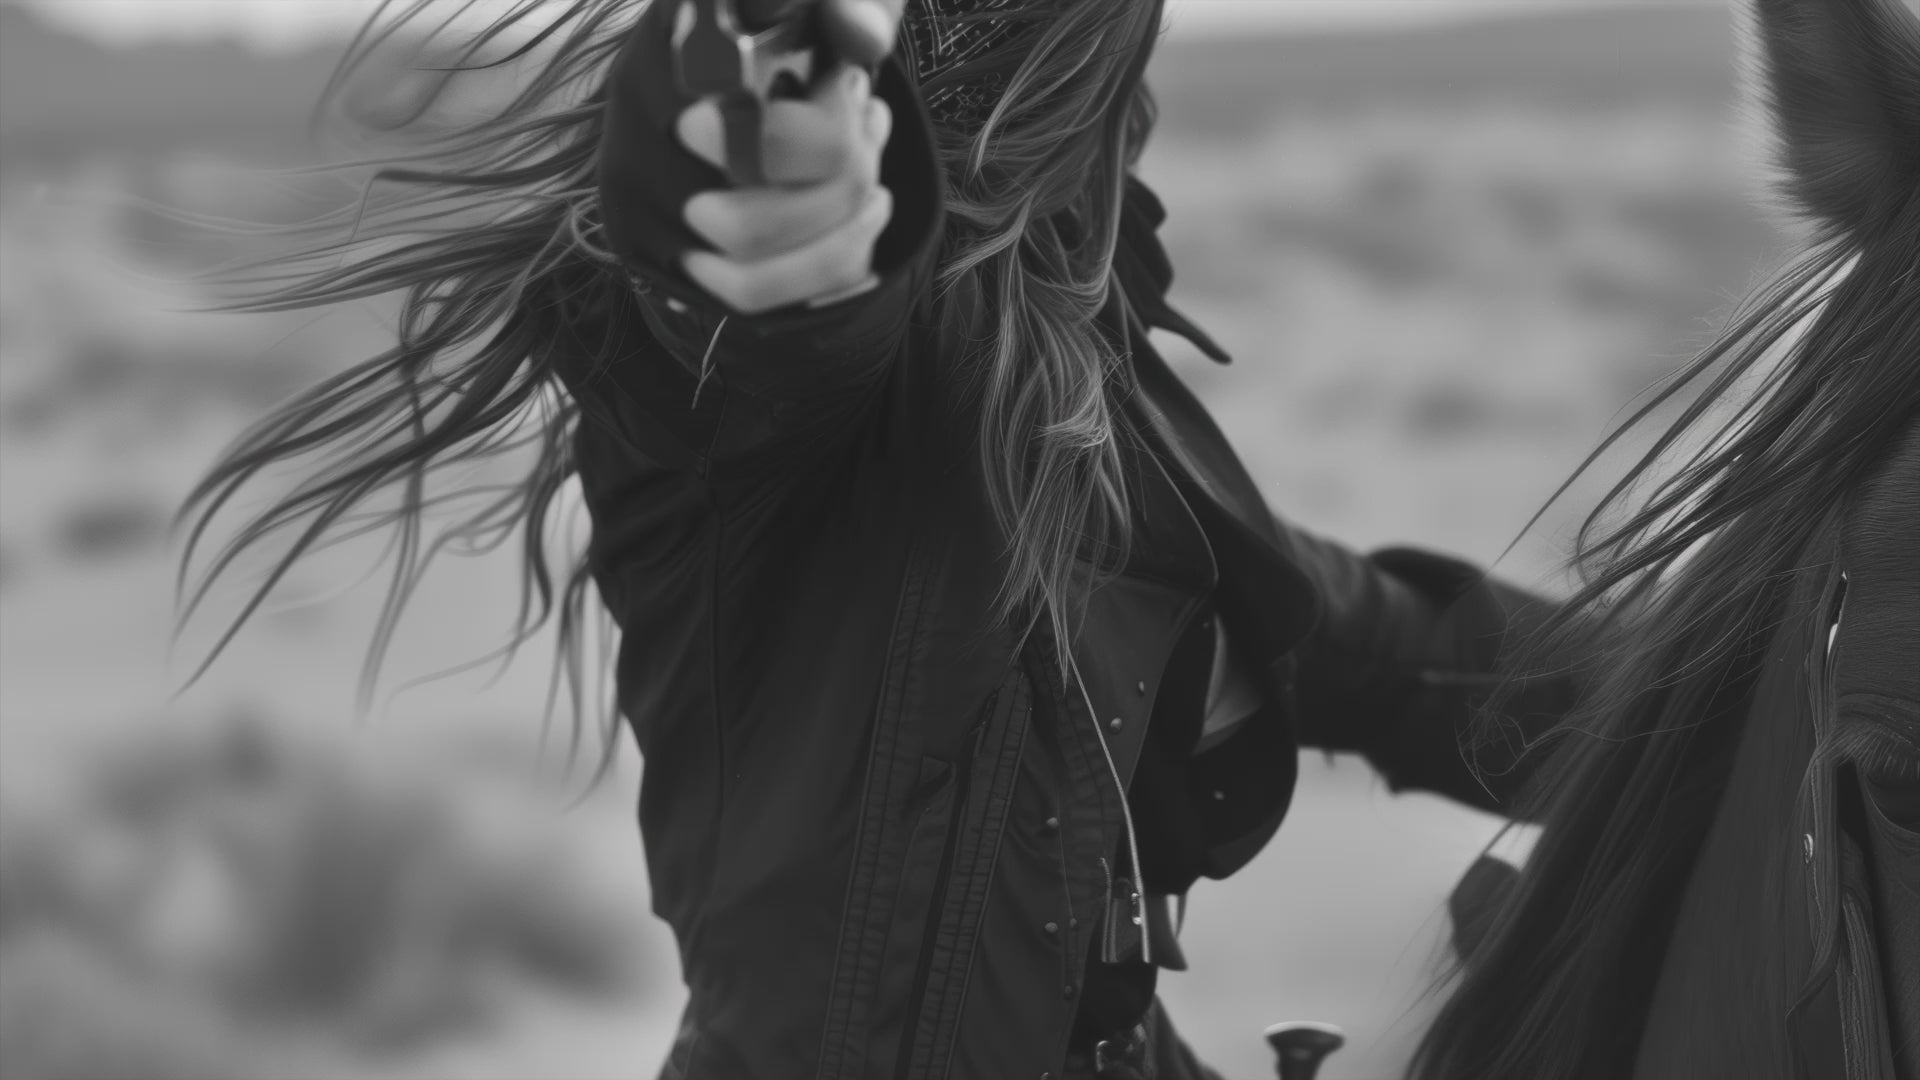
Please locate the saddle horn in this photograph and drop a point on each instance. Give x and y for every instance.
(1301, 1046)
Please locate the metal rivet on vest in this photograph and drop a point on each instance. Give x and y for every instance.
(1219, 796)
(1116, 724)
(1140, 688)
(1052, 928)
(1066, 991)
(1072, 923)
(1046, 1076)
(1808, 846)
(1053, 823)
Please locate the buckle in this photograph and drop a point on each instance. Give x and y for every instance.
(1121, 1052)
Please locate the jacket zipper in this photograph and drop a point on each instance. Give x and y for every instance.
(843, 991)
(937, 900)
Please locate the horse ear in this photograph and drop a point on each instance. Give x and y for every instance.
(1840, 80)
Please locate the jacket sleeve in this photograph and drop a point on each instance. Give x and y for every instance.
(802, 367)
(1406, 651)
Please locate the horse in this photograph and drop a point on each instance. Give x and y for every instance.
(1727, 882)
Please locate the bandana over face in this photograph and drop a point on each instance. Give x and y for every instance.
(959, 57)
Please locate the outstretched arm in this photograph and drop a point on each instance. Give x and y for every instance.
(1407, 649)
(794, 295)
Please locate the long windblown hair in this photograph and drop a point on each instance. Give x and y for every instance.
(1033, 208)
(484, 222)
(1686, 562)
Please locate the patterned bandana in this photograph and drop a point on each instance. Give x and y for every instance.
(958, 57)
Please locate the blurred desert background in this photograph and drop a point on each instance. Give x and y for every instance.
(1443, 256)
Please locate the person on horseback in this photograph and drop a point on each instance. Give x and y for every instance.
(956, 640)
(1727, 882)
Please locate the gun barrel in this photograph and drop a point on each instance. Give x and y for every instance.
(716, 56)
(758, 15)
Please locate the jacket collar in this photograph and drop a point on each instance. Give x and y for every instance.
(1204, 512)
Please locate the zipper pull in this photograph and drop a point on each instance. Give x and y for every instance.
(1123, 934)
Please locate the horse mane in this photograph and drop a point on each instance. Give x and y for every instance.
(1687, 561)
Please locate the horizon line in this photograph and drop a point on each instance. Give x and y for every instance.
(321, 22)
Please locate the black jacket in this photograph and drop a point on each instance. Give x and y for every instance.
(881, 835)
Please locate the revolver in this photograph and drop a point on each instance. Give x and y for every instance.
(746, 53)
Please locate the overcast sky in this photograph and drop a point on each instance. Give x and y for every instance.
(278, 23)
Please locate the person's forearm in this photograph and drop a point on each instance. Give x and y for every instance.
(1407, 652)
